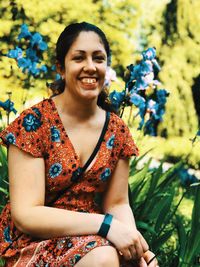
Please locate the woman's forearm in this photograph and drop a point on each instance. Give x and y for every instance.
(47, 222)
(123, 213)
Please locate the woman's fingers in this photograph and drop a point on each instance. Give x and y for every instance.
(142, 263)
(136, 250)
(126, 254)
(143, 242)
(133, 252)
(148, 256)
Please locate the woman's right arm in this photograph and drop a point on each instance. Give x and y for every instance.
(27, 196)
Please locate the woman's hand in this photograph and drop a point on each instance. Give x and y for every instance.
(147, 256)
(128, 241)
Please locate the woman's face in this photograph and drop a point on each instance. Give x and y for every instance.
(85, 66)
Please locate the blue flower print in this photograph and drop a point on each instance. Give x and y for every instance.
(6, 234)
(75, 259)
(37, 112)
(105, 174)
(55, 170)
(55, 134)
(110, 142)
(10, 138)
(31, 123)
(91, 244)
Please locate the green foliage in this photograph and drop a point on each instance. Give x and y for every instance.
(173, 31)
(3, 178)
(155, 206)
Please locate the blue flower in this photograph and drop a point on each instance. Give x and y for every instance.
(139, 102)
(110, 142)
(55, 170)
(31, 123)
(24, 64)
(8, 106)
(53, 67)
(32, 55)
(162, 95)
(144, 68)
(116, 99)
(187, 178)
(149, 54)
(58, 76)
(24, 32)
(10, 138)
(34, 70)
(55, 134)
(43, 68)
(6, 234)
(37, 40)
(105, 174)
(15, 53)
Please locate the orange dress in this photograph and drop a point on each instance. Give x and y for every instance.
(40, 132)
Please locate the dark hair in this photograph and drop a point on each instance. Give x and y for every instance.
(64, 42)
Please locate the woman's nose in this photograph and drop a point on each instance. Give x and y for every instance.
(89, 66)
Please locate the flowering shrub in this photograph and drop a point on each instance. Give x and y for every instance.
(141, 91)
(28, 59)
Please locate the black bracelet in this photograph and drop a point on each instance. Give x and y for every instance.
(105, 226)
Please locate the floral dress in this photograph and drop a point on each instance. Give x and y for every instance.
(40, 132)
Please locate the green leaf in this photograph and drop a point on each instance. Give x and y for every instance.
(157, 243)
(165, 205)
(145, 226)
(182, 237)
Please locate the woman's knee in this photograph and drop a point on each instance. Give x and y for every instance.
(105, 256)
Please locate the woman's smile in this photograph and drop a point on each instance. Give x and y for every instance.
(88, 82)
(85, 67)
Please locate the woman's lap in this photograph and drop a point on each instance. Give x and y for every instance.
(57, 252)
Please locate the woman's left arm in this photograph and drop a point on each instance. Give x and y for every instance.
(116, 199)
(116, 202)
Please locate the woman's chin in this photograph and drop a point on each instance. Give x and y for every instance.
(90, 94)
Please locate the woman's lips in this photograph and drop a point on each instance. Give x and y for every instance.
(88, 83)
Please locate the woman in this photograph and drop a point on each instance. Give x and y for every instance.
(68, 169)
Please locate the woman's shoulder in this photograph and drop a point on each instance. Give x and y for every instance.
(39, 108)
(115, 119)
(28, 130)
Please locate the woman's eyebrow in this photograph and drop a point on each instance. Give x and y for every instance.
(83, 51)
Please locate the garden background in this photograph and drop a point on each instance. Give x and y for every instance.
(172, 27)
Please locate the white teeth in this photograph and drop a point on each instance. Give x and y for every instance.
(88, 80)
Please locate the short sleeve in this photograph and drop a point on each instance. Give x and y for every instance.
(25, 132)
(128, 146)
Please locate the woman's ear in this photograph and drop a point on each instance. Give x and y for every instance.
(60, 69)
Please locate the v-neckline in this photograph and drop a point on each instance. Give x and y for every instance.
(86, 167)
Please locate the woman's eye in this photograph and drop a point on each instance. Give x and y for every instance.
(78, 58)
(99, 58)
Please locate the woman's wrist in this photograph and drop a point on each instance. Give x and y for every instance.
(105, 225)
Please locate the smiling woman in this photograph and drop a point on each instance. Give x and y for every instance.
(84, 67)
(68, 197)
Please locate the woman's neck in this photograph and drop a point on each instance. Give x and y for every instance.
(80, 110)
